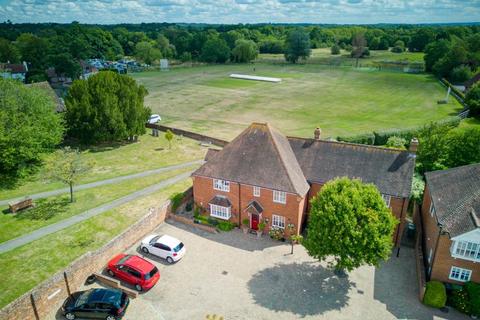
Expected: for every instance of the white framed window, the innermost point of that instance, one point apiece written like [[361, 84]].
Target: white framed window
[[467, 250], [430, 256], [459, 274], [278, 221], [432, 209], [222, 185], [387, 198], [279, 196], [256, 191], [220, 212]]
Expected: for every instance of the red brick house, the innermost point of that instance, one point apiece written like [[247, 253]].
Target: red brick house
[[264, 176], [451, 224]]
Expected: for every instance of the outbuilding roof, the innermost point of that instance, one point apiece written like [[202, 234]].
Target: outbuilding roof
[[455, 195]]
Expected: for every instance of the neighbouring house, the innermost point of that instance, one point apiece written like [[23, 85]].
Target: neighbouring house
[[451, 224], [45, 86], [264, 176], [88, 70], [17, 71], [58, 80]]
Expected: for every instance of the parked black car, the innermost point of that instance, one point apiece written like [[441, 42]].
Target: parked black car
[[109, 304]]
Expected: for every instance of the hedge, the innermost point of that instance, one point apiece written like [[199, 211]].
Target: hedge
[[473, 290], [366, 138], [435, 294], [381, 137]]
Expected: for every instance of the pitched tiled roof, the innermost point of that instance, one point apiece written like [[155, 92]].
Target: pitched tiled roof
[[45, 86], [389, 169], [210, 153], [456, 197], [13, 67], [259, 156], [220, 201]]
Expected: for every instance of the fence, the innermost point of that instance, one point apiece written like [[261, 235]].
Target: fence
[[419, 258], [457, 95], [41, 300], [189, 134]]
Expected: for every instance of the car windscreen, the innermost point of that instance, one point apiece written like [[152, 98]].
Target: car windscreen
[[179, 247], [154, 240], [151, 273], [124, 259], [82, 299]]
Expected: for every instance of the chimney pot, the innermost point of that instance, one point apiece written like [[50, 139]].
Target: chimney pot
[[317, 133], [413, 145]]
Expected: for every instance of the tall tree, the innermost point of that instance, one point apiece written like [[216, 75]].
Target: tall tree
[[472, 99], [67, 166], [147, 53], [245, 51], [29, 126], [297, 46], [66, 65], [350, 222], [215, 50], [108, 106], [359, 45], [8, 52]]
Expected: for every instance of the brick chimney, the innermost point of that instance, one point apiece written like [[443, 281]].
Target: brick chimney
[[413, 145], [317, 133]]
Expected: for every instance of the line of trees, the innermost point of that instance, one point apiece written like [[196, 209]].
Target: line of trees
[[63, 45]]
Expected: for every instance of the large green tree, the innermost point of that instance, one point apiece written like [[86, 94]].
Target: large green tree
[[215, 50], [472, 99], [297, 46], [146, 52], [108, 106], [350, 222], [8, 52], [244, 51], [29, 127]]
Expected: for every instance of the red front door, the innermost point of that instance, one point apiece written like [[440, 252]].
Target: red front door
[[254, 221]]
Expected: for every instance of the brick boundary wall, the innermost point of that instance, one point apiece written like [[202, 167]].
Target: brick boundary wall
[[41, 300], [189, 134], [419, 258], [190, 222]]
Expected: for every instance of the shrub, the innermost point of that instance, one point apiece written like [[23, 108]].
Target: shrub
[[473, 290], [185, 57], [396, 142], [246, 222], [366, 138], [460, 74], [397, 49], [176, 200], [276, 233], [435, 294], [381, 137], [459, 299], [473, 99], [212, 221], [418, 186], [225, 225], [335, 49]]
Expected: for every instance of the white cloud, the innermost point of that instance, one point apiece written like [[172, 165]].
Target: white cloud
[[241, 11]]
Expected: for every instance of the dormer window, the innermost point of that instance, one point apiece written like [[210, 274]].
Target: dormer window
[[387, 198], [221, 185]]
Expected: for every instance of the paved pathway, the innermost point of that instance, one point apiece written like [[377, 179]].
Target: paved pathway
[[104, 182], [39, 233]]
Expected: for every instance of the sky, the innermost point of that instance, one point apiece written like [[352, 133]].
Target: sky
[[241, 11]]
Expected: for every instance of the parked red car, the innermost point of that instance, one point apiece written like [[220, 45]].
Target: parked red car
[[134, 270]]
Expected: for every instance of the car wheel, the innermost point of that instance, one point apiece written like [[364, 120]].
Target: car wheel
[[70, 316], [145, 250], [138, 287], [170, 260], [110, 273], [110, 317]]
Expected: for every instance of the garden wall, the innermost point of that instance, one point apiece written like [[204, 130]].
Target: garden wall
[[41, 300], [189, 134], [419, 259]]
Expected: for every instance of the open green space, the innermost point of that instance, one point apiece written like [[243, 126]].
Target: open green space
[[117, 160], [50, 210], [324, 56], [27, 266], [341, 100]]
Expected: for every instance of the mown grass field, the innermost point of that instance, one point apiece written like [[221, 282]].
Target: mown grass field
[[27, 266], [116, 160], [341, 100]]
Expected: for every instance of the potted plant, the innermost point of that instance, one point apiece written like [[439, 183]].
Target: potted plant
[[246, 224], [261, 227]]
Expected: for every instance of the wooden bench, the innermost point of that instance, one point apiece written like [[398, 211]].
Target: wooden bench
[[20, 205], [115, 284]]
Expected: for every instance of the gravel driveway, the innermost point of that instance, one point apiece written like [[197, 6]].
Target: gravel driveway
[[240, 277]]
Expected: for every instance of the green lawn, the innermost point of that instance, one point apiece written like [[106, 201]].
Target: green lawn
[[118, 160], [54, 209], [341, 100], [31, 264]]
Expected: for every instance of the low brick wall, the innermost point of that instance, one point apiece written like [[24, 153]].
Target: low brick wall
[[190, 222], [41, 300], [419, 258], [189, 134]]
